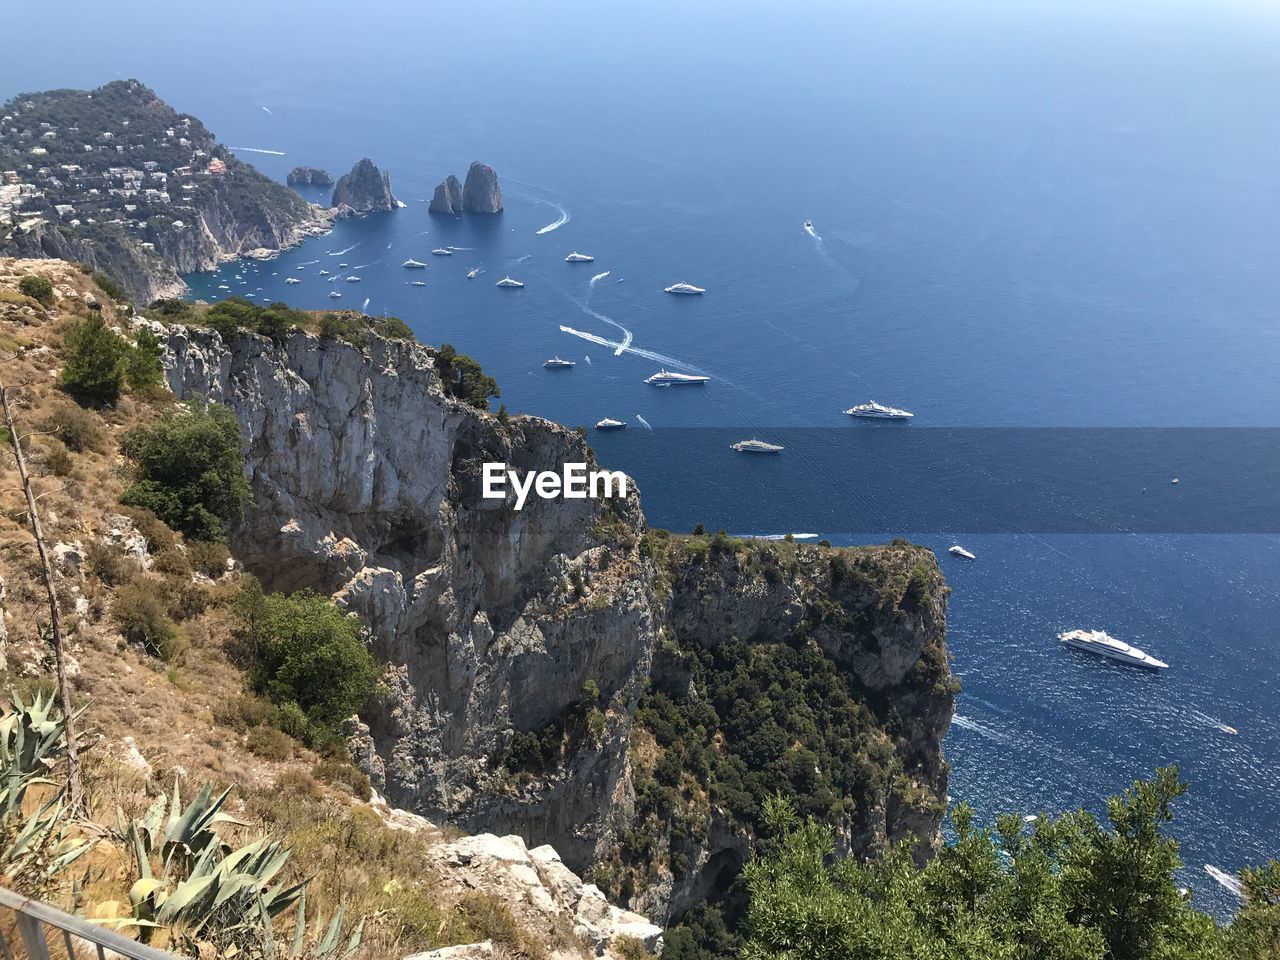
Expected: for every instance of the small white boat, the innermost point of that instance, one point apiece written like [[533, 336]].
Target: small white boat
[[608, 424], [292, 280], [1104, 645], [223, 286], [508, 282], [665, 378], [1174, 480], [344, 265], [878, 411], [471, 274], [418, 283], [324, 273], [442, 252], [960, 551], [353, 279], [334, 294], [577, 257], [808, 224], [555, 363], [755, 446], [685, 288], [412, 264]]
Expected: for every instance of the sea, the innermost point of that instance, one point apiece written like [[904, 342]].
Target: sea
[[1028, 217]]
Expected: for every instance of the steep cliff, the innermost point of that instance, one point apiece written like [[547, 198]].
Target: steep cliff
[[480, 192], [523, 644], [365, 189], [447, 199]]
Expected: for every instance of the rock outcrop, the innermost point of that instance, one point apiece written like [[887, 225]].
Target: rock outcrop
[[481, 193], [447, 199], [309, 177], [366, 485], [364, 190]]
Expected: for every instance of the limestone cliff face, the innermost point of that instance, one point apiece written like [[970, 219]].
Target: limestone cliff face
[[481, 193], [447, 200], [309, 177], [364, 190], [366, 485]]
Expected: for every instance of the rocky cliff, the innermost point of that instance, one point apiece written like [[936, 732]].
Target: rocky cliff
[[365, 189], [447, 199], [481, 193], [309, 177], [521, 644]]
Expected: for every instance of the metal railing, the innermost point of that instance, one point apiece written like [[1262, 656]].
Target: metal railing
[[36, 921]]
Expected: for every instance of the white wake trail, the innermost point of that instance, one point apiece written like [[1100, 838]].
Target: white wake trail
[[338, 253], [1225, 879], [598, 277], [643, 422], [361, 266], [274, 153], [365, 306], [637, 351], [626, 334], [267, 109], [808, 228], [564, 218]]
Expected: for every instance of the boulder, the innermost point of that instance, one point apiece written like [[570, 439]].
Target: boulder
[[481, 193]]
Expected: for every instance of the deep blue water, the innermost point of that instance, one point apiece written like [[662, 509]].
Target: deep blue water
[[1066, 216]]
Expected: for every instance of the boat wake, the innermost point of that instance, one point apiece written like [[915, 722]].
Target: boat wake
[[361, 266], [365, 306], [598, 277], [267, 109], [273, 153], [643, 422], [626, 334], [1213, 722], [637, 351], [452, 247], [523, 258], [338, 253], [781, 536], [564, 218], [808, 228], [307, 264], [1225, 879], [964, 723]]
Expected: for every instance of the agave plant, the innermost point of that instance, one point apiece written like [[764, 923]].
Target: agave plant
[[34, 847]]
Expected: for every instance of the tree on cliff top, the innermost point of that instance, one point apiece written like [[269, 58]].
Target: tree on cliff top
[[463, 377]]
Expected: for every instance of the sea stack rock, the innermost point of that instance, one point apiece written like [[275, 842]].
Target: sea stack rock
[[448, 197], [309, 177], [481, 194], [364, 190]]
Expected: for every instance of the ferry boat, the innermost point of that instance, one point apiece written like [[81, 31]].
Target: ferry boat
[[353, 279], [334, 294], [555, 363], [960, 551], [508, 282], [686, 288], [412, 264], [755, 446], [665, 378], [442, 252], [608, 424], [292, 280], [878, 411], [577, 257], [1104, 645]]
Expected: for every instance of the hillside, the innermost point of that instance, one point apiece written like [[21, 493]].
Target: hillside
[[117, 178], [625, 697]]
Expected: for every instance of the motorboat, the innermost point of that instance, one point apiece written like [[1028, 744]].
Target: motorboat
[[756, 446], [508, 282], [334, 294], [418, 283], [442, 252], [412, 264], [878, 411], [471, 274], [292, 280], [608, 424], [686, 288], [555, 363], [353, 279], [665, 378], [1104, 645], [960, 551], [577, 257]]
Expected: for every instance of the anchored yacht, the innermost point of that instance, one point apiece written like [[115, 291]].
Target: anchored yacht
[[1104, 645], [960, 551], [755, 446], [292, 280], [334, 294], [508, 282], [685, 288], [577, 257], [607, 424], [353, 279], [665, 378], [412, 264], [344, 265], [324, 273], [442, 252], [878, 411], [555, 363]]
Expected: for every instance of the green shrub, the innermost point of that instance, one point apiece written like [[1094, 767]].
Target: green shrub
[[189, 470], [56, 456], [38, 289], [94, 360], [463, 378], [107, 562], [269, 743], [109, 287], [344, 775], [172, 308], [304, 650], [80, 429], [143, 370], [144, 621], [157, 533], [208, 557]]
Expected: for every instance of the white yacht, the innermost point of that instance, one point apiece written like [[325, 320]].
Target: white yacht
[[418, 283], [508, 282], [344, 265], [223, 286], [471, 274], [412, 264], [577, 257], [685, 288], [442, 252], [665, 378], [1104, 645], [324, 273], [334, 294], [755, 446], [878, 411], [608, 424], [353, 279], [960, 551], [292, 280], [555, 363]]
